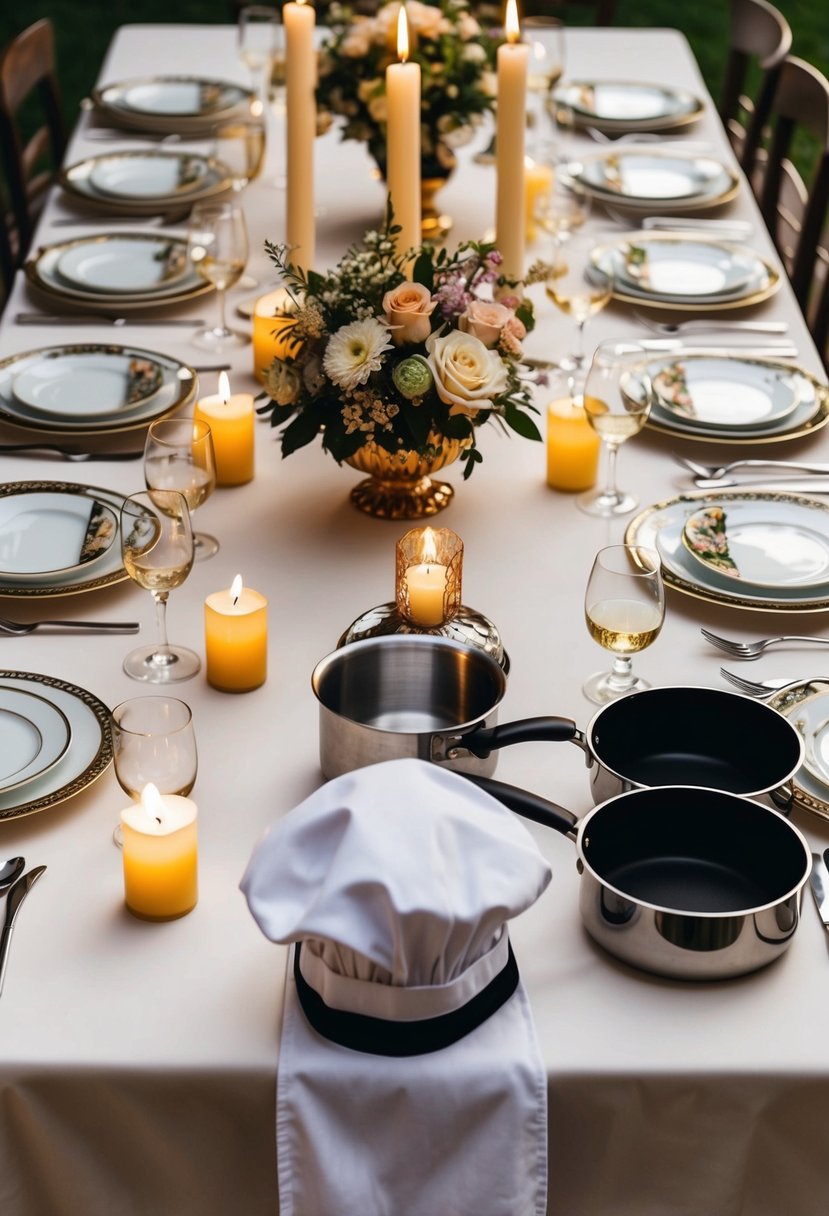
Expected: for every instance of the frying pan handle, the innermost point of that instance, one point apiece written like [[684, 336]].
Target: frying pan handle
[[530, 806], [783, 798], [482, 741]]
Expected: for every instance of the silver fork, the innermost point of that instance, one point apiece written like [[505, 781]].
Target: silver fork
[[753, 650], [9, 449], [713, 472], [755, 688], [20, 628], [695, 327]]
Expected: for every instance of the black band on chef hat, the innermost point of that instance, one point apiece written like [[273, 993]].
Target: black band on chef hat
[[384, 1037]]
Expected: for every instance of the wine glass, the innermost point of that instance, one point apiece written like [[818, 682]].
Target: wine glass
[[564, 207], [157, 548], [616, 408], [179, 455], [217, 242], [572, 288], [240, 147], [545, 37], [258, 32], [624, 606], [153, 741]]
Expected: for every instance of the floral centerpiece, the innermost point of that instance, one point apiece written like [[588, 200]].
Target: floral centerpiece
[[456, 61], [404, 371]]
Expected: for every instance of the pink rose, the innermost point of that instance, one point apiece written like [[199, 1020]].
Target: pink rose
[[486, 320], [408, 309]]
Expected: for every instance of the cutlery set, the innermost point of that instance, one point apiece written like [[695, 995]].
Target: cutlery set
[[86, 318], [17, 886]]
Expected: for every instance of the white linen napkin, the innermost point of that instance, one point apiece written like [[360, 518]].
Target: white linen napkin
[[396, 882]]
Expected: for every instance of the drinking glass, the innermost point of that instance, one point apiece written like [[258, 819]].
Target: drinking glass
[[153, 741], [624, 606], [240, 147], [217, 242], [258, 34], [564, 208], [157, 547], [179, 455], [572, 289], [545, 37], [615, 415]]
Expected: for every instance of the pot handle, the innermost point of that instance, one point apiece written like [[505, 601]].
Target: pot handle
[[530, 806], [483, 740], [783, 798]]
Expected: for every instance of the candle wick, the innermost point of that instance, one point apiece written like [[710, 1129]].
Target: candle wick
[[235, 600], [157, 819]]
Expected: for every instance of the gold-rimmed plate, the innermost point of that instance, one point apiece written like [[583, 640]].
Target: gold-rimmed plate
[[639, 178], [806, 705], [93, 388], [171, 104], [627, 105], [145, 181], [88, 757], [661, 527], [41, 501]]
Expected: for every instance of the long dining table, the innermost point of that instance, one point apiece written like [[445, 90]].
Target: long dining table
[[138, 1060]]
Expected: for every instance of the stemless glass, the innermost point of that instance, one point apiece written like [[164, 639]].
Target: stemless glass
[[217, 242], [571, 289], [179, 455], [157, 547], [615, 415], [153, 741], [624, 607]]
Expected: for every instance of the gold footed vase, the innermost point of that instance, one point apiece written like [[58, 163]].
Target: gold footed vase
[[400, 485]]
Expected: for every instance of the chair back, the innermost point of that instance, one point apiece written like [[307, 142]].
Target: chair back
[[27, 70], [760, 39]]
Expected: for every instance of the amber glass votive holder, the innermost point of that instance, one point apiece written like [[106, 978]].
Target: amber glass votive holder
[[428, 569]]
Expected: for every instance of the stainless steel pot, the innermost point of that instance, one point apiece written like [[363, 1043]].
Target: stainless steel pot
[[415, 695], [685, 882]]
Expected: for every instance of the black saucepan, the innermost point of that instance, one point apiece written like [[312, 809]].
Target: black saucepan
[[685, 882]]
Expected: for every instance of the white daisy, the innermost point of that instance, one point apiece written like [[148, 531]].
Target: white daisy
[[355, 351]]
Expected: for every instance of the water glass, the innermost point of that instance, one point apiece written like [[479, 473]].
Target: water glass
[[624, 607]]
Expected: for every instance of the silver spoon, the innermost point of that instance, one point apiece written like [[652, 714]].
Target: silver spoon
[[717, 326], [21, 628], [10, 870]]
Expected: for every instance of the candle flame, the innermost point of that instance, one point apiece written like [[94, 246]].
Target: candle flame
[[224, 387], [402, 34], [429, 550], [153, 803], [511, 24], [236, 589]]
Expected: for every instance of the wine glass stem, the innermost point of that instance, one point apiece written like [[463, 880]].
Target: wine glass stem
[[579, 355], [621, 675], [220, 294], [162, 653], [610, 489]]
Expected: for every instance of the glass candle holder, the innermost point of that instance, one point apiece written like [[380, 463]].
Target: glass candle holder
[[428, 568]]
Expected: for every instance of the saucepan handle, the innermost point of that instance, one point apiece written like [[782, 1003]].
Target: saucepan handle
[[485, 739], [530, 806]]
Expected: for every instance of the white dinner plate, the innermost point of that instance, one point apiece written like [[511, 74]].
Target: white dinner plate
[[624, 105], [53, 519], [172, 104], [806, 705], [145, 181], [89, 753], [767, 545], [661, 526], [725, 393], [34, 734], [640, 178]]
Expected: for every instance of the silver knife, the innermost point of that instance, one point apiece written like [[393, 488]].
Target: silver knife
[[81, 318], [17, 893], [816, 484], [819, 878]]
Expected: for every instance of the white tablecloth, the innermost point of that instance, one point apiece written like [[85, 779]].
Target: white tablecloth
[[137, 1061]]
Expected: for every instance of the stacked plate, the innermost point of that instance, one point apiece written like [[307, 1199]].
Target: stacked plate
[[641, 178], [172, 105], [687, 271], [778, 545], [722, 398], [118, 271], [54, 742], [143, 183], [806, 705], [616, 106], [58, 538], [92, 389]]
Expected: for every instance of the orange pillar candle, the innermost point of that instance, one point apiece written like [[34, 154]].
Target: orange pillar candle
[[572, 446], [236, 638], [403, 140], [271, 337], [513, 59], [538, 180], [230, 417], [300, 82], [160, 855]]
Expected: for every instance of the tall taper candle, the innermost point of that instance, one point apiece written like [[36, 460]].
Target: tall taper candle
[[403, 139], [300, 80], [513, 59]]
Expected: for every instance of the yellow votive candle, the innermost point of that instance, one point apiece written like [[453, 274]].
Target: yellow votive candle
[[271, 336], [236, 638], [160, 855], [301, 108], [403, 140], [538, 180], [572, 446], [513, 58], [230, 417], [426, 589]]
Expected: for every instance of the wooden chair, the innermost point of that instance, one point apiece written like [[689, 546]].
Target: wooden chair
[[796, 213], [760, 40], [27, 74]]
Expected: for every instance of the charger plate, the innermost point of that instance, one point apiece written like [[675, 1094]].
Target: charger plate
[[89, 755], [661, 526], [642, 178], [145, 182], [626, 105], [806, 705], [171, 104]]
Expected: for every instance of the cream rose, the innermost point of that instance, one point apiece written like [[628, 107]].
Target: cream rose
[[467, 375], [485, 319], [408, 309]]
